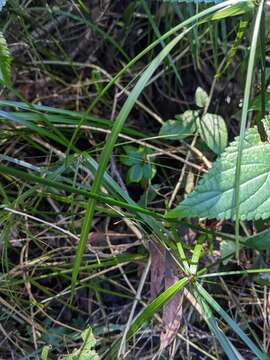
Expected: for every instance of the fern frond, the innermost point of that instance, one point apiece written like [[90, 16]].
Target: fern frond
[[5, 60]]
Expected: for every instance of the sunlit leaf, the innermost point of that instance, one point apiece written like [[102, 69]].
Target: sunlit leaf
[[182, 126], [213, 131], [201, 97], [214, 196]]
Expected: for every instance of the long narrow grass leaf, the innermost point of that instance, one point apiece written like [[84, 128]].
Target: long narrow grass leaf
[[234, 326], [244, 118]]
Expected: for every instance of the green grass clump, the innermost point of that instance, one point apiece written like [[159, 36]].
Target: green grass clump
[[132, 225]]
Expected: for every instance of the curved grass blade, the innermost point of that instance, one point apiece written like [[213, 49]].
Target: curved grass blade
[[244, 118], [225, 343], [119, 122], [43, 131], [158, 35], [236, 272], [217, 12], [234, 326], [149, 312], [57, 185], [121, 118]]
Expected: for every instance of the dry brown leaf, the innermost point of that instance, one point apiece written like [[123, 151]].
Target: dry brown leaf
[[157, 253], [172, 311]]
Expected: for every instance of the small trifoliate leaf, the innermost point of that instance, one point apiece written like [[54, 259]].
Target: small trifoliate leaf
[[214, 196], [131, 159], [149, 171], [213, 131], [135, 174], [132, 156], [201, 97], [5, 61], [184, 125]]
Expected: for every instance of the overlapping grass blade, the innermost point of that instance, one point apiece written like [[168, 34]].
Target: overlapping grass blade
[[233, 325], [74, 190], [119, 122], [121, 118], [225, 343], [244, 118], [149, 312]]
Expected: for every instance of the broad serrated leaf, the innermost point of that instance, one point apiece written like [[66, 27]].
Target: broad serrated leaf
[[5, 61], [213, 131], [214, 196], [201, 97], [183, 126]]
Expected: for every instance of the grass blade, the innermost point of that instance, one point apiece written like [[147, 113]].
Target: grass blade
[[121, 118], [244, 118], [106, 153], [234, 326]]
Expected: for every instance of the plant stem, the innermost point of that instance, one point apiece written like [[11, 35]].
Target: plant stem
[[244, 118]]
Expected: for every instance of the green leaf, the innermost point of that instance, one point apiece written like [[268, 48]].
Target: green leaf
[[133, 156], [88, 338], [149, 171], [242, 7], [214, 197], [259, 241], [232, 324], [201, 97], [267, 75], [85, 352], [230, 9], [135, 174], [45, 352], [262, 279], [5, 60], [136, 158], [148, 312], [213, 131], [227, 251], [212, 323], [149, 195], [183, 126], [256, 103]]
